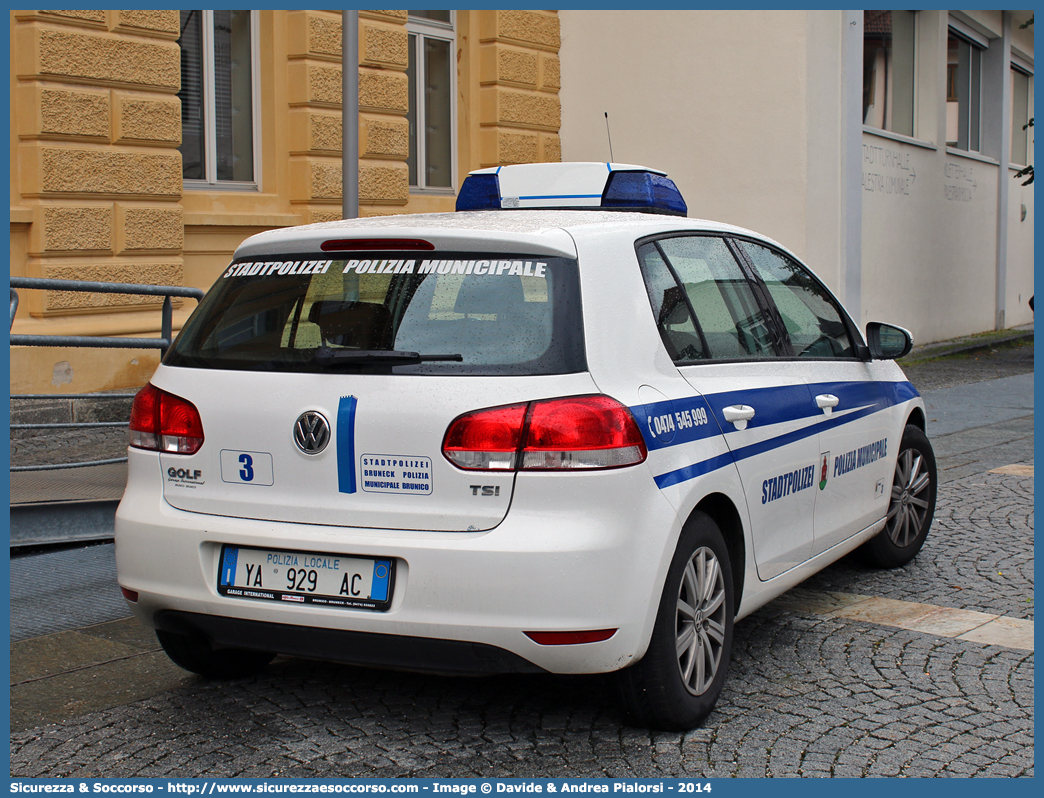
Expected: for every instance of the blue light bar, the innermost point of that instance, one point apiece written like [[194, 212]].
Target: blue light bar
[[573, 186], [643, 191], [479, 193]]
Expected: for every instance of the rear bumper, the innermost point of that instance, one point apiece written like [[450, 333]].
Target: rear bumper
[[591, 554], [448, 657]]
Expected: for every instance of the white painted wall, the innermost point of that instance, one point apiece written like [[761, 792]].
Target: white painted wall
[[1020, 252], [716, 99], [929, 239], [744, 111], [1020, 230]]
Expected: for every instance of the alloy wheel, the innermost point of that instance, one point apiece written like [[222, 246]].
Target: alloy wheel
[[911, 493], [700, 624]]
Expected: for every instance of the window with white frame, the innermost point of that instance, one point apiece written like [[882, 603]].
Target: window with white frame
[[218, 98], [1021, 109], [964, 90], [432, 78], [888, 70]]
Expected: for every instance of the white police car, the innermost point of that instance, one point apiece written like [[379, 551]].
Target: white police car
[[547, 433]]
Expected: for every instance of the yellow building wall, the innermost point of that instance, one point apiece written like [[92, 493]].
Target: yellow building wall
[[95, 183], [97, 192]]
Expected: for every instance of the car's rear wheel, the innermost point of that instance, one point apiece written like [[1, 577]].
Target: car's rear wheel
[[195, 654], [677, 682], [911, 507]]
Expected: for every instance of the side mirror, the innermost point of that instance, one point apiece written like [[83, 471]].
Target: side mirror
[[887, 342]]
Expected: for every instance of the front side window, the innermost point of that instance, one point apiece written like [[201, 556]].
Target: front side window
[[704, 305], [888, 70], [452, 314], [963, 93], [431, 73], [218, 98], [810, 315]]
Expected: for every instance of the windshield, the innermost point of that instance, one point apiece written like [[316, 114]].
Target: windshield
[[460, 313]]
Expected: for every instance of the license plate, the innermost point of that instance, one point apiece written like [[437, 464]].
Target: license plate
[[298, 577]]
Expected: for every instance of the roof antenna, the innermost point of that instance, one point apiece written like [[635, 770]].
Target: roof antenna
[[610, 135]]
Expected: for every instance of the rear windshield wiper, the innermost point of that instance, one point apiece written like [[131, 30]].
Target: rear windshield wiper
[[327, 356]]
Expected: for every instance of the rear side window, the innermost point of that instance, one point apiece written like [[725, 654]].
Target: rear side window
[[704, 304], [684, 341], [463, 314]]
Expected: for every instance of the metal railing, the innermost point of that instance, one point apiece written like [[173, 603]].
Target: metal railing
[[168, 292]]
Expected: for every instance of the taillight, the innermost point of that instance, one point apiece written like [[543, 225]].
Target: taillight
[[581, 432], [163, 422], [576, 432], [486, 440]]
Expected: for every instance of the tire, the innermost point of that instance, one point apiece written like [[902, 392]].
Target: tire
[[676, 684], [911, 507], [195, 654]]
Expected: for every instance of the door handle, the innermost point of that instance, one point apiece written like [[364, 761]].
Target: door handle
[[738, 415], [827, 402]]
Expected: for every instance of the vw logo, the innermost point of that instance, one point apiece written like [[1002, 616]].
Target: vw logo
[[311, 432]]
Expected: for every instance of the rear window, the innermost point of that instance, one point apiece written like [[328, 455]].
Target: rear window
[[461, 313]]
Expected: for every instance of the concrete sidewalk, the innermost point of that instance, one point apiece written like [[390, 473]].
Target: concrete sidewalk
[[965, 407]]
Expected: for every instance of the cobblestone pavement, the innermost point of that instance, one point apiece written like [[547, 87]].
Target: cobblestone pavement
[[979, 555], [808, 693]]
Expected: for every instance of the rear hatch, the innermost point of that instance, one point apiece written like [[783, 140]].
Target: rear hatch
[[325, 385]]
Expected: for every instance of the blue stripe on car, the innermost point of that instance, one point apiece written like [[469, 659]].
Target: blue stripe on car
[[346, 444], [865, 398]]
